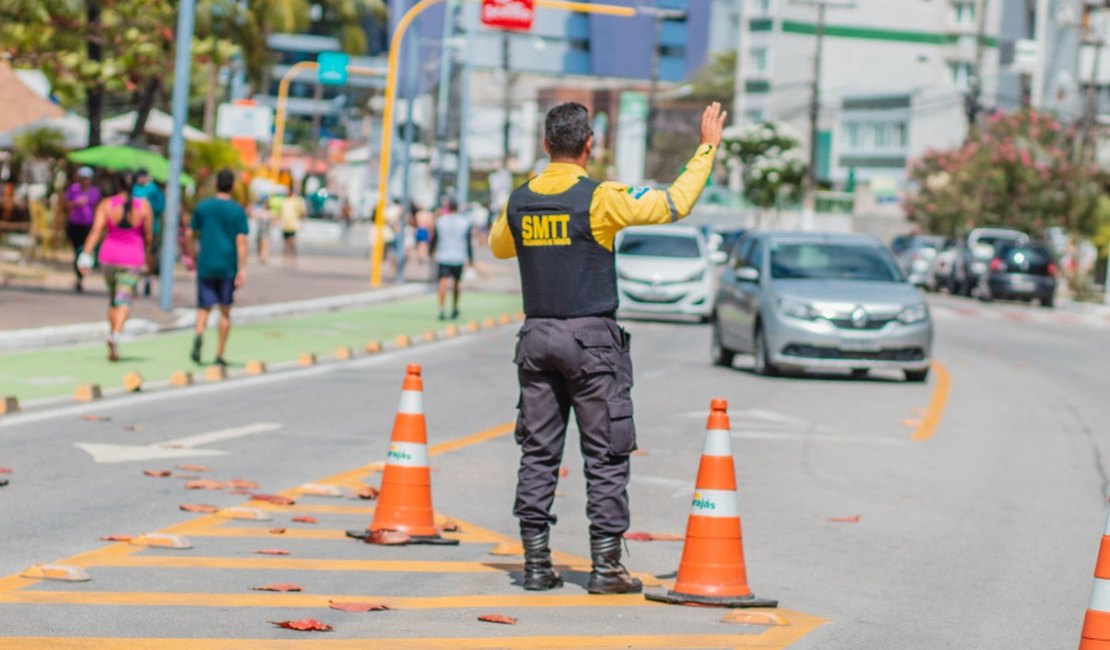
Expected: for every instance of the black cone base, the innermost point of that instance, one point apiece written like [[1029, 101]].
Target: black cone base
[[675, 598]]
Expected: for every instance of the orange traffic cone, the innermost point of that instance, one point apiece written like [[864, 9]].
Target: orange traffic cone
[[712, 570], [405, 500], [1096, 627]]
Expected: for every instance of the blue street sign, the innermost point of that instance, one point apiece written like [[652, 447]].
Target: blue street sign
[[333, 68]]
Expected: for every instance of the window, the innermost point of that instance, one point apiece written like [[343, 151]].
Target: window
[[962, 12], [659, 246], [757, 61], [874, 136], [832, 261], [960, 73]]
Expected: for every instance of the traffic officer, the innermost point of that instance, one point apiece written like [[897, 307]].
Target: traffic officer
[[570, 351]]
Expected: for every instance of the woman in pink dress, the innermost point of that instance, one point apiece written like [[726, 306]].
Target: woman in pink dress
[[126, 225]]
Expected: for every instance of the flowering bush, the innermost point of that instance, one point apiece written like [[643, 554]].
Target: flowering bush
[[1017, 171], [773, 166]]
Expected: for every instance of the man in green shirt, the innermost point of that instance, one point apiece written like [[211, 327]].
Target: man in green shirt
[[219, 227]]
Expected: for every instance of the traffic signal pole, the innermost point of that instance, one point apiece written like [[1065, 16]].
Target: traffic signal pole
[[391, 96]]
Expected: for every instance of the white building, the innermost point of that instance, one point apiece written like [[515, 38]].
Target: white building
[[894, 79]]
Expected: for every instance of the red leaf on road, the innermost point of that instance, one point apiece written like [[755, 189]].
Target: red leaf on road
[[240, 484], [281, 586], [498, 618], [186, 477], [367, 492], [239, 491], [198, 507], [305, 519], [192, 468], [854, 519], [653, 537], [272, 551], [204, 484], [275, 499], [304, 625], [388, 537], [95, 418], [564, 472], [277, 531], [157, 473], [5, 470], [116, 538], [359, 607]]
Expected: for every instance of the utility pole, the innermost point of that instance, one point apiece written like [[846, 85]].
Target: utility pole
[[975, 93], [658, 15], [446, 64], [815, 100], [506, 101]]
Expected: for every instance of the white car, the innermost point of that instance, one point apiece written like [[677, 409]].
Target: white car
[[665, 270]]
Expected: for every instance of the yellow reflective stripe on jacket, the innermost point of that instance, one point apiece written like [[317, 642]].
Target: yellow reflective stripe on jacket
[[616, 206]]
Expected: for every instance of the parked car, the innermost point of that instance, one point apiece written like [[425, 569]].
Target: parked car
[[1022, 272], [815, 301], [720, 238], [976, 254], [916, 259], [941, 270], [665, 270]]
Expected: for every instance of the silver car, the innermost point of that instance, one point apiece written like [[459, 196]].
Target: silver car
[[819, 301]]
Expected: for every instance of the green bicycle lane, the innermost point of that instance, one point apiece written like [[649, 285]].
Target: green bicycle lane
[[58, 372]]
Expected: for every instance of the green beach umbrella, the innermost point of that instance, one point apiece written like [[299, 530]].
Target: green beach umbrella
[[116, 158]]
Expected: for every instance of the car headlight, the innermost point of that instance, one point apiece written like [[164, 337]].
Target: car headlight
[[797, 309], [913, 314]]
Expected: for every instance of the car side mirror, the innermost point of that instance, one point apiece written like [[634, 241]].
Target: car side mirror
[[718, 257], [747, 274]]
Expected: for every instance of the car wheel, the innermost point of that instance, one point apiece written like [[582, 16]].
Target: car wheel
[[762, 365], [917, 376], [859, 373], [718, 353], [1047, 302]]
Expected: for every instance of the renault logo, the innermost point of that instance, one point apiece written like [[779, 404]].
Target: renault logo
[[859, 318]]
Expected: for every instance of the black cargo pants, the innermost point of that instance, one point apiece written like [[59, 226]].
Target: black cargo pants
[[582, 363]]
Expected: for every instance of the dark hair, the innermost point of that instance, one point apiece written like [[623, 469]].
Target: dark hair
[[124, 181], [451, 202], [566, 129], [225, 180]]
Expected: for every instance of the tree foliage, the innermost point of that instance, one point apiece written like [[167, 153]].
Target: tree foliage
[[772, 163], [1020, 171]]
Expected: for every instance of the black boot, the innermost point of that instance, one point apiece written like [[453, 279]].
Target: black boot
[[539, 575], [609, 575]]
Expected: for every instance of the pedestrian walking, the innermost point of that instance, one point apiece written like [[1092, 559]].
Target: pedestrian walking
[[125, 224], [146, 188], [220, 230], [81, 198], [571, 352], [451, 248], [293, 211]]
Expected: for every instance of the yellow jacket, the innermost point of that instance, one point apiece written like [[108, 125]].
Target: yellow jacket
[[616, 206]]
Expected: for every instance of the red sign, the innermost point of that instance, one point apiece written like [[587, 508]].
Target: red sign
[[508, 14]]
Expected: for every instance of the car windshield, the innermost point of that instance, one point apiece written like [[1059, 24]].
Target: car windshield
[[825, 261], [659, 246], [1031, 258], [995, 240]]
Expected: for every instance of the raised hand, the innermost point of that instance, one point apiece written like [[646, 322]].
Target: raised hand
[[713, 124]]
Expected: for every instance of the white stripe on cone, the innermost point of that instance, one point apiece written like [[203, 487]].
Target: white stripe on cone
[[717, 443], [1107, 530], [1100, 596], [407, 454], [412, 402], [715, 503]]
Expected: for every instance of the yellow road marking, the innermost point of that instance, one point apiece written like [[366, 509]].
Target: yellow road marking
[[775, 637], [466, 537], [306, 564], [935, 410], [473, 439], [178, 599], [303, 508]]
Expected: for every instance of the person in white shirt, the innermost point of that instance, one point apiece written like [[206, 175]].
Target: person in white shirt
[[451, 248]]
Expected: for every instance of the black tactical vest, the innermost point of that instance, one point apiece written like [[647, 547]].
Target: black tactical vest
[[565, 273]]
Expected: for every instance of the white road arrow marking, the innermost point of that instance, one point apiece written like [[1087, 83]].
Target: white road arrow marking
[[176, 448]]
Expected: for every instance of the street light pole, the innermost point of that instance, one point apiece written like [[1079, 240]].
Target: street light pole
[[658, 15], [185, 15]]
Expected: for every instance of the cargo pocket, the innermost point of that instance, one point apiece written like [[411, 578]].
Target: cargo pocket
[[599, 354], [518, 434], [622, 430]]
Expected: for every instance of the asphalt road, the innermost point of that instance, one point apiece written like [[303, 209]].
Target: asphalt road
[[880, 514]]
